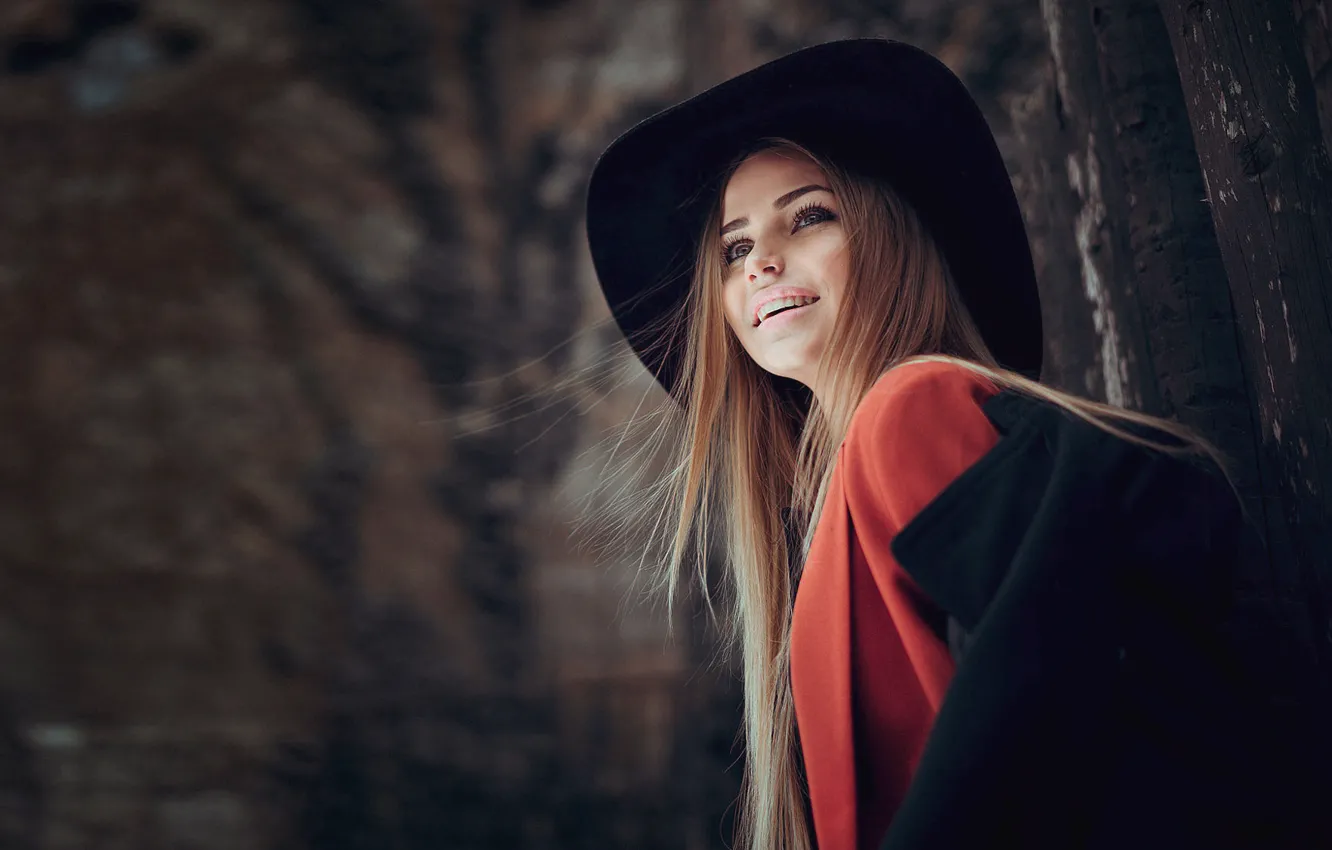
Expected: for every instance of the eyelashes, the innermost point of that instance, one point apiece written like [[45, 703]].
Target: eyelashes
[[808, 215]]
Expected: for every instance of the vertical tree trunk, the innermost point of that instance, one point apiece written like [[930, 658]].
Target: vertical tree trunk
[[1128, 213], [1102, 193], [1173, 261], [1251, 103], [1135, 294], [1094, 342], [1175, 282], [1049, 205], [1311, 19]]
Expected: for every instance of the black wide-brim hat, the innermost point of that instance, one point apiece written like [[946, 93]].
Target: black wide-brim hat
[[879, 107]]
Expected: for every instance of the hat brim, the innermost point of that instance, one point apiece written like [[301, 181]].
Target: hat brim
[[883, 106]]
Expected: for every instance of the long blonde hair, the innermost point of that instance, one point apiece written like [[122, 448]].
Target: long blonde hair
[[744, 450]]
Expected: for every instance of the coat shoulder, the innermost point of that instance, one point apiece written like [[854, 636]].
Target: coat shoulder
[[923, 392], [919, 428]]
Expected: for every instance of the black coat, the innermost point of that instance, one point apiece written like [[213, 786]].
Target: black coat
[[1100, 700]]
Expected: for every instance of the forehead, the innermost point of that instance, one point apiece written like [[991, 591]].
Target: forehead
[[764, 177]]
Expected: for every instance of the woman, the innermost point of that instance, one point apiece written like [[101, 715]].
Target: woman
[[1006, 625]]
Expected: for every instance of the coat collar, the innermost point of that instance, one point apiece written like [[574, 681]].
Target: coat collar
[[1050, 487], [1005, 410], [1074, 557], [824, 701], [1051, 468]]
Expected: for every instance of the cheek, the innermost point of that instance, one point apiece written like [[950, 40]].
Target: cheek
[[733, 301], [837, 265]]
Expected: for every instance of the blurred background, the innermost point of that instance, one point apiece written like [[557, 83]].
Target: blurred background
[[306, 380]]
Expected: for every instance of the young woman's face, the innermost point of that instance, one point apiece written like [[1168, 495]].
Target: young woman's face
[[785, 262]]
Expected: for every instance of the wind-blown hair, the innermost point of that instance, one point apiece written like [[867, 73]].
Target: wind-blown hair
[[744, 451]]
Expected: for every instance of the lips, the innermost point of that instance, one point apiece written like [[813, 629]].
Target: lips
[[769, 302]]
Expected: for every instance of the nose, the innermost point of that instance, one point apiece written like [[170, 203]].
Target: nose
[[768, 264]]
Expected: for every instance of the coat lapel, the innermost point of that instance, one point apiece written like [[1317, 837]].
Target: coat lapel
[[821, 649], [821, 661], [1086, 707]]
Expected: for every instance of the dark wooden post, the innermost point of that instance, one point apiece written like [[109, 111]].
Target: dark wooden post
[[1071, 186], [1048, 205], [1173, 265], [1177, 285], [1142, 307], [1115, 201], [1311, 19], [1251, 104], [1114, 194]]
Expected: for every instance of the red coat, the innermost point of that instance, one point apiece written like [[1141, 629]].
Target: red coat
[[1107, 695], [868, 669]]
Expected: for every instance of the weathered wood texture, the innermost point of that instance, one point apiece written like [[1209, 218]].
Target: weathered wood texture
[[1072, 359], [1151, 326], [1136, 294], [1091, 226], [1311, 19], [1177, 285], [1252, 106], [1174, 275]]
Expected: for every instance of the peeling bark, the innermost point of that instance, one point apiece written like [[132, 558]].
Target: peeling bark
[[1173, 260], [1311, 19], [1115, 350], [1049, 206], [1253, 110], [1133, 278]]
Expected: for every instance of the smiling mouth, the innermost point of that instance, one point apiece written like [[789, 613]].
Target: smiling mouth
[[785, 305]]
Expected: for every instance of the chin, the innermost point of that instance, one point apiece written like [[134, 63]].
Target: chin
[[800, 372], [795, 368]]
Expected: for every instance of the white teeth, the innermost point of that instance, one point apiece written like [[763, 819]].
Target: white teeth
[[781, 303]]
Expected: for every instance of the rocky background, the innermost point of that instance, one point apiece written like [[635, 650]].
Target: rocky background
[[306, 379]]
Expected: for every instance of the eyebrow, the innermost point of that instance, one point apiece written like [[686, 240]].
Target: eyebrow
[[783, 201]]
